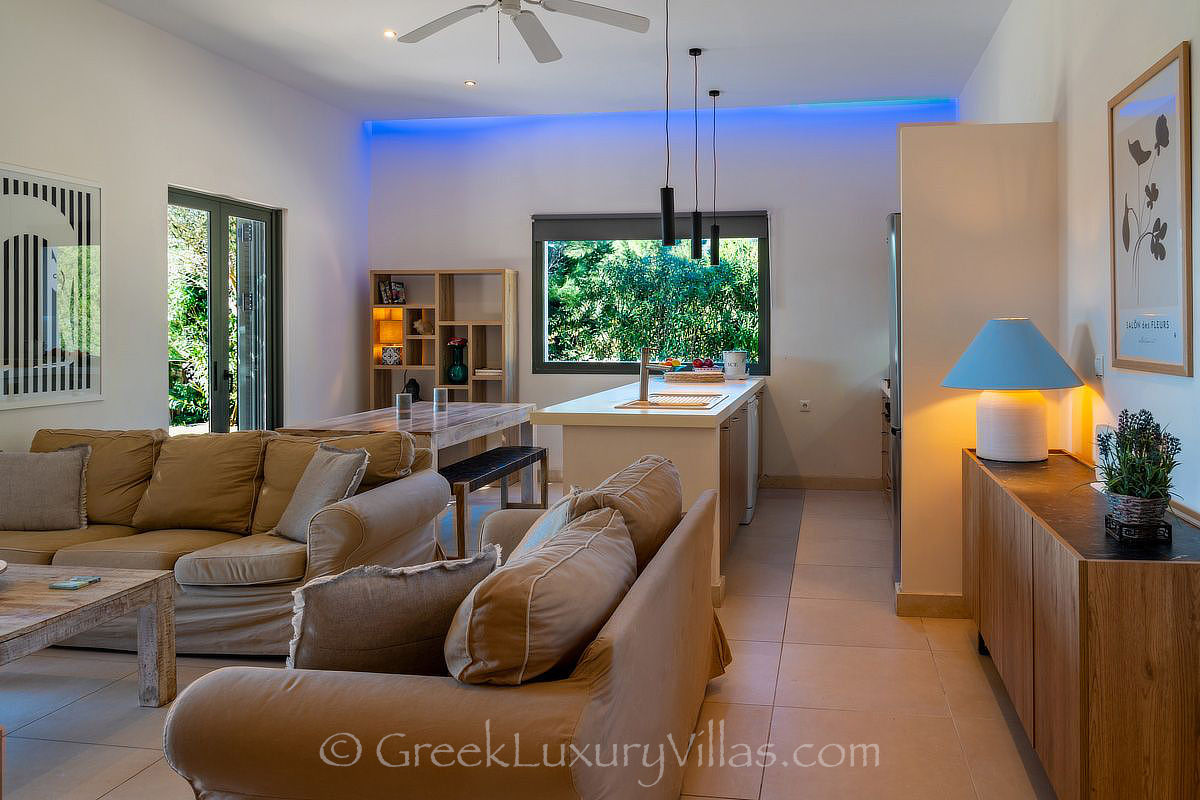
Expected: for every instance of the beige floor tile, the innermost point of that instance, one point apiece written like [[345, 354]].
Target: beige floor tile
[[877, 530], [750, 679], [1001, 760], [973, 687], [40, 770], [772, 523], [951, 634], [734, 732], [851, 622], [763, 578], [86, 652], [860, 505], [753, 618], [860, 678], [110, 716], [844, 552], [37, 685], [843, 583], [919, 757], [156, 782], [773, 549]]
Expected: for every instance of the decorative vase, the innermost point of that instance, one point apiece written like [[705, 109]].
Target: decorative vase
[[1137, 511], [456, 373]]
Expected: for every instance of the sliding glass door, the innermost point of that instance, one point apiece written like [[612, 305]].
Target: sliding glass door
[[222, 314]]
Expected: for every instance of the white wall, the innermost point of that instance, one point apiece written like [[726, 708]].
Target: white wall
[[1063, 60], [979, 240], [95, 94], [459, 193]]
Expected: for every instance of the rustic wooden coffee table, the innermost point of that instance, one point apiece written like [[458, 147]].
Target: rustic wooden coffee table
[[34, 616]]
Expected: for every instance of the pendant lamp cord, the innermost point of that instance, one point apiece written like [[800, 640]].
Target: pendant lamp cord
[[714, 154], [696, 126], [667, 86]]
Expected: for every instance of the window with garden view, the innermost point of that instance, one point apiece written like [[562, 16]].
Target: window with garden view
[[602, 299]]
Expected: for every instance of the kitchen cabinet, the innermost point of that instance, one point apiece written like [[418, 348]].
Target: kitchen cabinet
[[1097, 642], [734, 475]]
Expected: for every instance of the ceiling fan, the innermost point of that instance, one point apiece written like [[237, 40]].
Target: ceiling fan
[[530, 27]]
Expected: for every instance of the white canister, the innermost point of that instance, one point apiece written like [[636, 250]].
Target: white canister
[[737, 364]]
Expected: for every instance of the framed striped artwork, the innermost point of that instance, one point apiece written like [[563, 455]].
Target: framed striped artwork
[[49, 289]]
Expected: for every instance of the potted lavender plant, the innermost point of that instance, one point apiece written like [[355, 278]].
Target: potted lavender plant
[[1136, 462]]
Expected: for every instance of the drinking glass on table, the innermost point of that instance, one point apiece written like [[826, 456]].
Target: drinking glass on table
[[404, 406]]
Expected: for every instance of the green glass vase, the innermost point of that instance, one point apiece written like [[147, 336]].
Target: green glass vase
[[456, 373]]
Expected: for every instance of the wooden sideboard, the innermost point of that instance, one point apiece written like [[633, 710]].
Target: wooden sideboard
[[1097, 642]]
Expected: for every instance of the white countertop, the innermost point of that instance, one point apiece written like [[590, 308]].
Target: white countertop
[[600, 409]]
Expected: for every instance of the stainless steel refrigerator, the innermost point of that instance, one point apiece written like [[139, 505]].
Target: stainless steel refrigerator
[[894, 407]]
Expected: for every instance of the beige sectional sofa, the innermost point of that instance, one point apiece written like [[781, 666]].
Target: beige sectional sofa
[[250, 732], [204, 507]]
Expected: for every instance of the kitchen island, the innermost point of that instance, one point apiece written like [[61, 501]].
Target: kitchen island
[[712, 447]]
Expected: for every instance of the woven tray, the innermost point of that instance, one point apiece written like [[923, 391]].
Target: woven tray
[[696, 376]]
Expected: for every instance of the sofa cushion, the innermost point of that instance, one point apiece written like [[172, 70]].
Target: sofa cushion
[[39, 547], [206, 481], [151, 550], [118, 471], [400, 616], [650, 498], [331, 476], [256, 560], [44, 491], [538, 613], [390, 458]]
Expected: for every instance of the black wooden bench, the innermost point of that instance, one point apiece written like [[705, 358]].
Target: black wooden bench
[[478, 471]]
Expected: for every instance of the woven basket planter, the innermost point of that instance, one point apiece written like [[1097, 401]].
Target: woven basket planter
[[1139, 511]]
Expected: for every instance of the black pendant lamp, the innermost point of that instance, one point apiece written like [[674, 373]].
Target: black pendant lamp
[[697, 219], [667, 194], [714, 232]]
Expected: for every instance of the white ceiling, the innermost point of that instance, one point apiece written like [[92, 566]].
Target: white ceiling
[[758, 52]]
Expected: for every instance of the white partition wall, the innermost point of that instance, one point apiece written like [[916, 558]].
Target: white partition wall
[[979, 210]]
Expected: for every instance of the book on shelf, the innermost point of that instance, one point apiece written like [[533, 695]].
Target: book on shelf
[[391, 292]]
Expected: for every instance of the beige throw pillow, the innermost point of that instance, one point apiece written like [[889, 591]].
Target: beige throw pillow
[[331, 475], [400, 616], [650, 498], [538, 613], [44, 491], [547, 525]]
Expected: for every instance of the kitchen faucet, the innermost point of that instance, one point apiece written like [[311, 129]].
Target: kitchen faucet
[[644, 375]]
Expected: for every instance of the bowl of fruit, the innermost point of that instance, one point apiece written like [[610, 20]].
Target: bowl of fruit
[[698, 370]]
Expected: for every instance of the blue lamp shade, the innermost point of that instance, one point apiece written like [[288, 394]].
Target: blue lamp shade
[[1010, 354]]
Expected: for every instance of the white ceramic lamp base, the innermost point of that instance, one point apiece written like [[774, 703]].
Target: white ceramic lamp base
[[1011, 426]]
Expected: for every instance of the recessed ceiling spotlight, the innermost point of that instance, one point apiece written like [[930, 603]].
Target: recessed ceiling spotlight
[[389, 34], [469, 83]]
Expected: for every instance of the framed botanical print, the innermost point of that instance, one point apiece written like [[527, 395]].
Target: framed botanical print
[[1150, 188], [1150, 192], [49, 289]]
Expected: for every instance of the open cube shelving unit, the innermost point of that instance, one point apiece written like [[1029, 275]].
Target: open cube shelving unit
[[479, 305]]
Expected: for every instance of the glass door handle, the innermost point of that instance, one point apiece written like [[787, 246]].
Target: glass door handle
[[228, 376]]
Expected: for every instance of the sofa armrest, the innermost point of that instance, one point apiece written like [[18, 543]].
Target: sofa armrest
[[507, 527], [255, 732], [393, 517]]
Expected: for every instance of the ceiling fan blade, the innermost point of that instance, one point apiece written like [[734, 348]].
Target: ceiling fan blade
[[535, 35], [609, 16], [440, 23]]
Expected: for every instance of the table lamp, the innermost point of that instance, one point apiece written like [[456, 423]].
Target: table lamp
[[1011, 361]]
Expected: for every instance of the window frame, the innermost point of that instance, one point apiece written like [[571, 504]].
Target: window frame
[[683, 224]]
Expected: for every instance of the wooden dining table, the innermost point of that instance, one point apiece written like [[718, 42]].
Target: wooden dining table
[[459, 423]]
